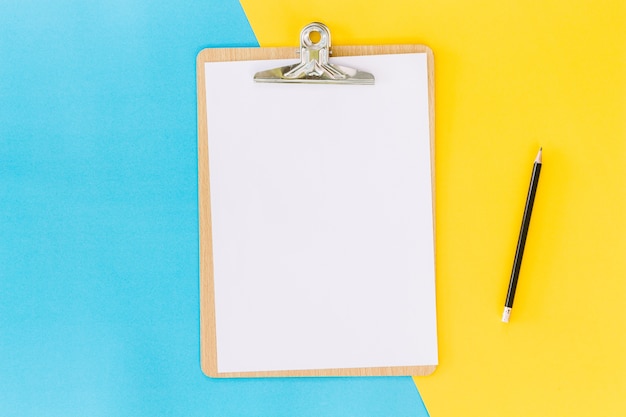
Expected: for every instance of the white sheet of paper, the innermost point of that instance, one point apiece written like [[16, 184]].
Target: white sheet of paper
[[321, 209]]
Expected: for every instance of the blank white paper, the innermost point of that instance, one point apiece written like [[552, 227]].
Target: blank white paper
[[321, 210]]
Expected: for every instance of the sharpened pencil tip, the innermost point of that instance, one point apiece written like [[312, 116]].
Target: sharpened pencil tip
[[538, 158]]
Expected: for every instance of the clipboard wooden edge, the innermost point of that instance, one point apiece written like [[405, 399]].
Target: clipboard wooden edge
[[208, 337]]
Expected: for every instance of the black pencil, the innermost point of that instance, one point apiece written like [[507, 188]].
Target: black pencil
[[521, 242]]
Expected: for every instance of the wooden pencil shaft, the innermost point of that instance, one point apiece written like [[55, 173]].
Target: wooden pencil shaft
[[521, 243]]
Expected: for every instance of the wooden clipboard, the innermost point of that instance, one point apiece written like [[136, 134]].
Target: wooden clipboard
[[208, 328]]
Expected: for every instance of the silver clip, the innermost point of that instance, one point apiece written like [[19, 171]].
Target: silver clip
[[314, 66]]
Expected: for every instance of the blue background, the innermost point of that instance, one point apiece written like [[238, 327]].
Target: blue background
[[99, 309]]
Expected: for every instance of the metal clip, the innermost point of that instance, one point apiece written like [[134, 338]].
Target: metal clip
[[314, 66]]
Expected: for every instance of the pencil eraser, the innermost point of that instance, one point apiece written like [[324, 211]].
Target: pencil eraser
[[506, 314]]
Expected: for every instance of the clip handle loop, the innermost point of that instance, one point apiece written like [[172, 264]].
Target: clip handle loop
[[314, 56]]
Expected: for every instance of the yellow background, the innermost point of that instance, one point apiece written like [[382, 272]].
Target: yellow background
[[511, 76]]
